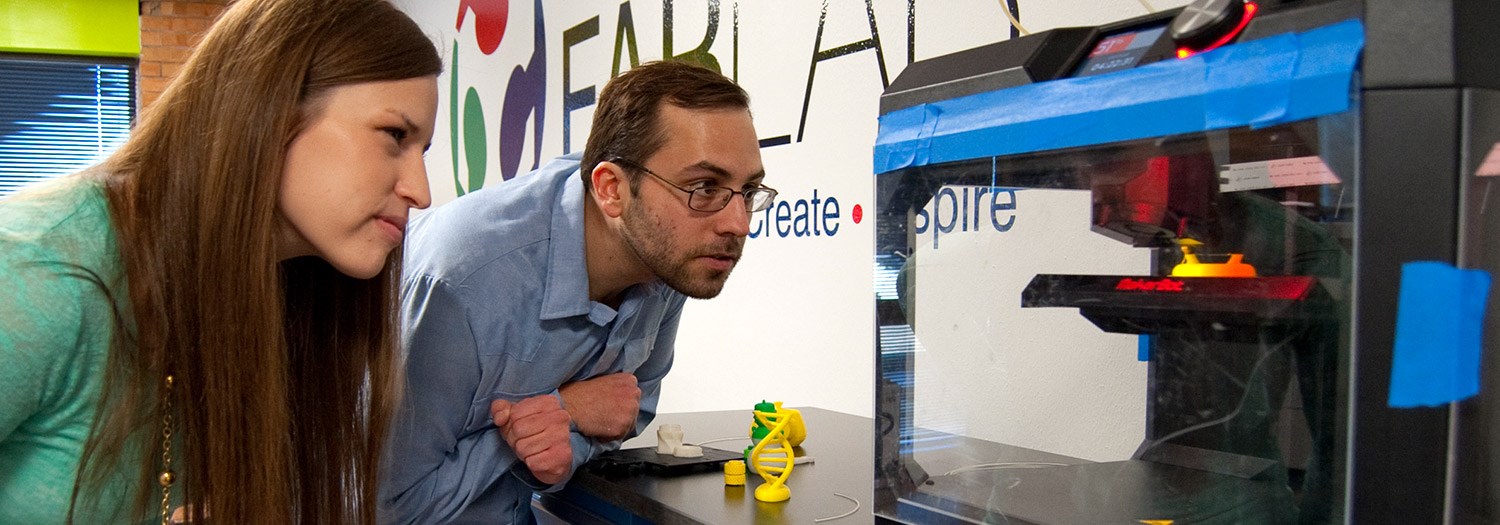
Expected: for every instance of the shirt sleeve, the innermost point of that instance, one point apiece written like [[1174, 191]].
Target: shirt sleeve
[[648, 377], [438, 462], [40, 329]]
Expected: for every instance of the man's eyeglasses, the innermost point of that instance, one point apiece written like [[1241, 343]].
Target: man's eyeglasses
[[712, 198]]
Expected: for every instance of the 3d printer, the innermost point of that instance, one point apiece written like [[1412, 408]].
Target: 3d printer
[[1147, 271]]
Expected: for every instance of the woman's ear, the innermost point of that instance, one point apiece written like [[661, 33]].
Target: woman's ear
[[611, 188]]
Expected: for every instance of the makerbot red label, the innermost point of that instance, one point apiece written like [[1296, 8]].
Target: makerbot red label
[[1149, 285]]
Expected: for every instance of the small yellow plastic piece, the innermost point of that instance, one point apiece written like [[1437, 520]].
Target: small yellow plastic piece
[[1192, 267], [796, 430], [734, 473]]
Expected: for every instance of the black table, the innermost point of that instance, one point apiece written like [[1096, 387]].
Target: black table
[[841, 445]]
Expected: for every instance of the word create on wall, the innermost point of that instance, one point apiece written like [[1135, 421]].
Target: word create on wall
[[797, 218]]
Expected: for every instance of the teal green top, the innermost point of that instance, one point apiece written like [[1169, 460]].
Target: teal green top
[[57, 248]]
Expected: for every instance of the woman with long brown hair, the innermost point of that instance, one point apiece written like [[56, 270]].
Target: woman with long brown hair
[[204, 324]]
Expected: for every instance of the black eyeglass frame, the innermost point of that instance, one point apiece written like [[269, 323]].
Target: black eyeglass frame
[[706, 192]]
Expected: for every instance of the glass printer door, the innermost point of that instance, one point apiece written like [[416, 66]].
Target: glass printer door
[[1148, 330]]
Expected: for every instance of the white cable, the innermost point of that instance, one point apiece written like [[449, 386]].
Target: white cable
[[716, 440], [1012, 17], [1147, 5], [852, 511]]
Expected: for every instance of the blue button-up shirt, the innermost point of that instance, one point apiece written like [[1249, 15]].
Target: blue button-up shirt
[[496, 306]]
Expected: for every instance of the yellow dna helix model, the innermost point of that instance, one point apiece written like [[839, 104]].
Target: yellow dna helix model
[[775, 431]]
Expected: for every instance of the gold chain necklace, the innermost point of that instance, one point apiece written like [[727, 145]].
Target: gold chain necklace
[[167, 476]]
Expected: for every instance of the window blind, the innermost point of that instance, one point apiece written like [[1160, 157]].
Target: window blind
[[59, 115]]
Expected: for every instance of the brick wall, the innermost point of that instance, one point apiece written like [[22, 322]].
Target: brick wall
[[169, 29]]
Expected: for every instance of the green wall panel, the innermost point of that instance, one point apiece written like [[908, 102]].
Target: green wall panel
[[71, 27]]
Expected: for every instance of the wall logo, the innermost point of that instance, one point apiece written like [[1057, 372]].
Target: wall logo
[[525, 97]]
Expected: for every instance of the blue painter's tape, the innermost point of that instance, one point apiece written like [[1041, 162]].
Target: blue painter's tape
[[1249, 84], [1263, 82], [1438, 325]]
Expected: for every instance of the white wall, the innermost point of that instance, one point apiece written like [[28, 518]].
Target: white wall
[[795, 322]]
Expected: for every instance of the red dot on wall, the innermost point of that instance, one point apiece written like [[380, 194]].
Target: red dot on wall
[[859, 214]]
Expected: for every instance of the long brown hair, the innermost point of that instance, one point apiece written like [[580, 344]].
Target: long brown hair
[[285, 371]]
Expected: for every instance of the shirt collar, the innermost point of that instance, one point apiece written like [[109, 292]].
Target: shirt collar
[[566, 293]]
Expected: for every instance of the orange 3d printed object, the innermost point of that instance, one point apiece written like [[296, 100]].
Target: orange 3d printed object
[[1192, 267]]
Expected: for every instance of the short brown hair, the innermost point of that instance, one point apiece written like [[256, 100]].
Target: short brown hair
[[627, 121]]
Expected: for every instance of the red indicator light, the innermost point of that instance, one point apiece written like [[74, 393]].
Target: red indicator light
[[1250, 9]]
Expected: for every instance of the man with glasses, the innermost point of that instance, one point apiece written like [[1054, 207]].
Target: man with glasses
[[540, 313]]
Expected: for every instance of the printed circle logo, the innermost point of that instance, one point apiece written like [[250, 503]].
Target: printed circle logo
[[489, 21]]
